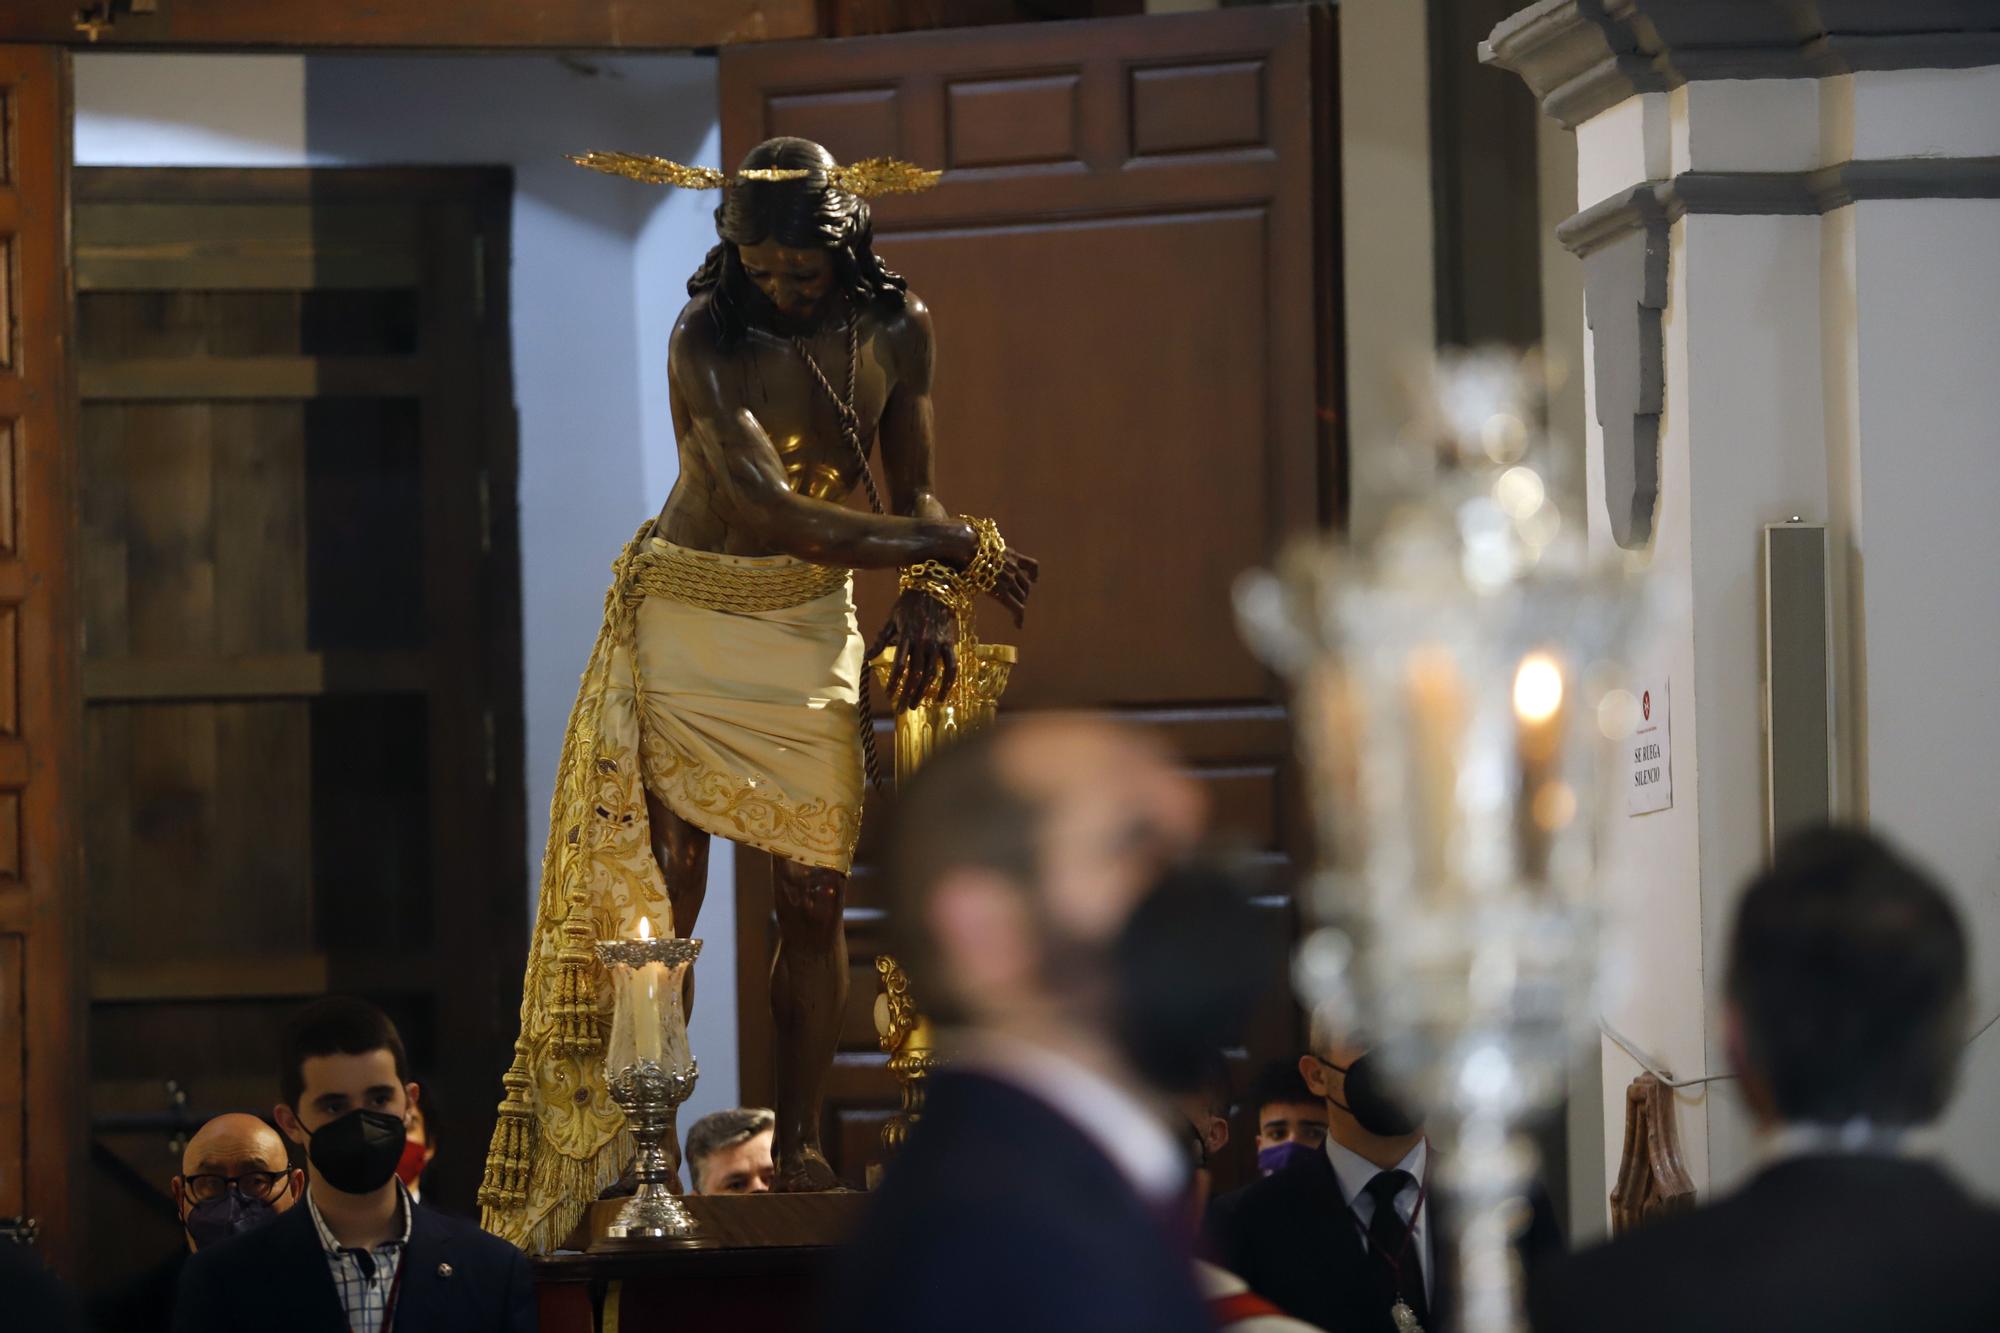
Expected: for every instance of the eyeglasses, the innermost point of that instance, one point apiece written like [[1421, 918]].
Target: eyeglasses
[[254, 1185]]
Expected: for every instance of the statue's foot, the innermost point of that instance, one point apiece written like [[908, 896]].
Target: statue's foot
[[804, 1171]]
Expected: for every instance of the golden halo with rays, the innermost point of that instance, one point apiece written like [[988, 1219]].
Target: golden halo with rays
[[868, 178]]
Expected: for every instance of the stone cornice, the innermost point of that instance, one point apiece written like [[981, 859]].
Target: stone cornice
[[1581, 57], [1778, 193]]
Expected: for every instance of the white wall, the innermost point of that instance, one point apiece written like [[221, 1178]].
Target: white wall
[[1387, 238], [1841, 369], [598, 268], [1927, 547]]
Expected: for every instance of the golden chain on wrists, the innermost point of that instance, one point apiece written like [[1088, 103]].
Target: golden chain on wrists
[[941, 582], [989, 560], [957, 590]]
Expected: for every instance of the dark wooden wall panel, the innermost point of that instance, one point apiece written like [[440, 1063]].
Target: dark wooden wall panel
[[1130, 268]]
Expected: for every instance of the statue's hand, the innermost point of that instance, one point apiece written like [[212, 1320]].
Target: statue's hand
[[1016, 581], [926, 637]]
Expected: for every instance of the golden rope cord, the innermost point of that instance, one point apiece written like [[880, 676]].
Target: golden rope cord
[[718, 586]]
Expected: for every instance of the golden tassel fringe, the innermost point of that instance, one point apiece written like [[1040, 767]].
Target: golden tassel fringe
[[572, 1183]]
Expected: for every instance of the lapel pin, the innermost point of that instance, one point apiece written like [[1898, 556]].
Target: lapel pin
[[444, 1270]]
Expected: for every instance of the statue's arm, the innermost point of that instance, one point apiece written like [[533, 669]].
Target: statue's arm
[[906, 431], [907, 444], [751, 490]]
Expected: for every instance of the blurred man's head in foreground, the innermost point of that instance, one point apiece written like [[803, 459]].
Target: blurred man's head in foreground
[[1020, 855], [1846, 990]]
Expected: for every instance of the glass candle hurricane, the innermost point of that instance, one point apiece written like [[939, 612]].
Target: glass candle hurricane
[[650, 1072]]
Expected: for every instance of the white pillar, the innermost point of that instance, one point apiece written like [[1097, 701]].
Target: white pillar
[[1828, 347]]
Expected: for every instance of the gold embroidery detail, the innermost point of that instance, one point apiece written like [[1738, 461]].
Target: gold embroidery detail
[[819, 832]]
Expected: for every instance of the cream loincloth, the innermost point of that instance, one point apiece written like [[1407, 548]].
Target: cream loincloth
[[748, 720]]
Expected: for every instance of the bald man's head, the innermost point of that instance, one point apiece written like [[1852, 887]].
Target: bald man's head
[[234, 1140], [233, 1166], [1021, 850]]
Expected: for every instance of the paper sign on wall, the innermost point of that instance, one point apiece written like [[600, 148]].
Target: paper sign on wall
[[1649, 754]]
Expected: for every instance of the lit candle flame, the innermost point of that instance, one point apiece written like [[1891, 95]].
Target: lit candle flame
[[1538, 688], [645, 928]]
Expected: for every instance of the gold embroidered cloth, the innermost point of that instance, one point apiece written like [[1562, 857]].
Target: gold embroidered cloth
[[730, 686], [749, 721]]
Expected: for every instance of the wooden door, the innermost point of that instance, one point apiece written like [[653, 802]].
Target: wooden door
[[301, 647], [1131, 263], [40, 1138]]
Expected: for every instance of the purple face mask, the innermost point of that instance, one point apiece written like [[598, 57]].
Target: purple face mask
[[1281, 1155]]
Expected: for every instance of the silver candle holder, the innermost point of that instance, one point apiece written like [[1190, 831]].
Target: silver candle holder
[[650, 1072]]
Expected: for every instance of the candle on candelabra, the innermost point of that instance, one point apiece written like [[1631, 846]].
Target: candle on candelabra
[[646, 982], [1544, 804], [1437, 720]]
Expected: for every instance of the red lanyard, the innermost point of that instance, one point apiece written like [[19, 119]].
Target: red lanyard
[[403, 1263]]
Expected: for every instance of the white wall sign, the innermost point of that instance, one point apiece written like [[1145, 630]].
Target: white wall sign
[[1649, 754]]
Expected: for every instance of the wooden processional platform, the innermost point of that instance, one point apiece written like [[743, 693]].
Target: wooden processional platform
[[764, 1267]]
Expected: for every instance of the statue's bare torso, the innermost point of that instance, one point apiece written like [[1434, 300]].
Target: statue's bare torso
[[765, 376]]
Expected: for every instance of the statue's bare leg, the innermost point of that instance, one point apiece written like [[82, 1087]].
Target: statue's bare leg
[[682, 851], [808, 997]]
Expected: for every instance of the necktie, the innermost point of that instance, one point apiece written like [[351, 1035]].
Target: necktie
[[1392, 1244]]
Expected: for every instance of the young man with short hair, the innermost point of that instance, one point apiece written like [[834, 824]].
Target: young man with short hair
[[1291, 1121], [360, 1257]]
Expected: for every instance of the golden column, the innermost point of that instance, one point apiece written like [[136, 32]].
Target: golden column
[[973, 702]]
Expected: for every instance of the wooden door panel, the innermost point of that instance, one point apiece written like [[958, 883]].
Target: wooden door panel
[[39, 1032], [1083, 467], [302, 645], [1130, 266]]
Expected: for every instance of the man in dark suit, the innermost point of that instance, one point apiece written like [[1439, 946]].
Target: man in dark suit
[[359, 1255], [1045, 1186], [1845, 1016], [1345, 1236]]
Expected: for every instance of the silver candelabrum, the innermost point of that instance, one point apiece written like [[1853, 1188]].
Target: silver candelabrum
[[650, 1072], [1457, 681]]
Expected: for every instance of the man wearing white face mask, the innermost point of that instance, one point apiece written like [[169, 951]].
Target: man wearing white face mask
[[360, 1256]]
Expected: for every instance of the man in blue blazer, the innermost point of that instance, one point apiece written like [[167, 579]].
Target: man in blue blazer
[[360, 1257]]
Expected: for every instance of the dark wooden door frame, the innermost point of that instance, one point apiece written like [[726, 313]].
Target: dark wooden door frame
[[41, 1022]]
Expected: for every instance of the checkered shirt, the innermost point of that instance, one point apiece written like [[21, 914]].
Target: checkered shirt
[[364, 1278]]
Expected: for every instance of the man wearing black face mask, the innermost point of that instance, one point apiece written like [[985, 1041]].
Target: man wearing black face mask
[[234, 1178], [360, 1256], [1351, 1237]]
